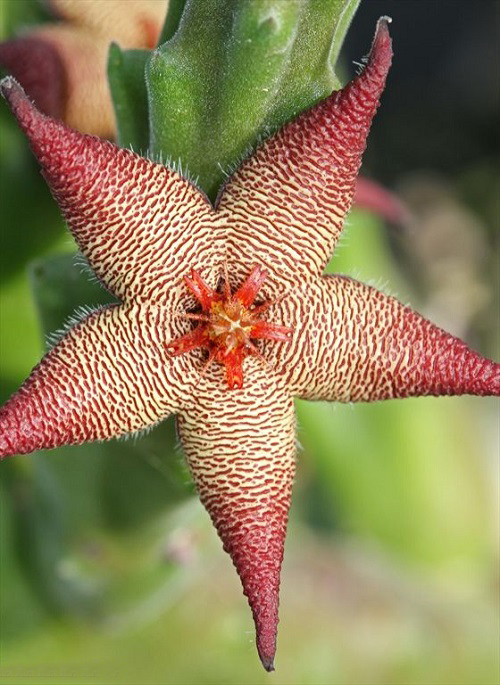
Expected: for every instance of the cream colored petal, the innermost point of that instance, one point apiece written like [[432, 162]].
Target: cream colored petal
[[240, 447], [87, 101], [353, 343], [285, 205], [108, 376], [141, 226], [131, 23]]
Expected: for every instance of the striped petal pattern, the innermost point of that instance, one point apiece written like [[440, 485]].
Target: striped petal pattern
[[285, 206], [138, 223], [240, 448], [353, 343], [148, 233], [108, 376]]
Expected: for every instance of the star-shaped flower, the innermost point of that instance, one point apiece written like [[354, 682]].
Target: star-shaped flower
[[239, 285]]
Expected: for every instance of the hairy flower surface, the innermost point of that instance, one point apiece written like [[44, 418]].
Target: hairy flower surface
[[62, 66], [164, 251]]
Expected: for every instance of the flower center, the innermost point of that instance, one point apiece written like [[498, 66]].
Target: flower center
[[230, 324], [227, 323]]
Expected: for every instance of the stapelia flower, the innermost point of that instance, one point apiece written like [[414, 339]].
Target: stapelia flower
[[225, 316], [62, 66]]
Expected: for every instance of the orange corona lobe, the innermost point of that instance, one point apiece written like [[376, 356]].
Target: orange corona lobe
[[227, 323]]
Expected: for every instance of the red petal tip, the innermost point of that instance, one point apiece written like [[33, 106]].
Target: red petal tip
[[382, 30], [7, 84], [18, 434], [266, 642], [268, 664], [21, 106], [384, 21], [251, 522], [48, 137], [381, 50]]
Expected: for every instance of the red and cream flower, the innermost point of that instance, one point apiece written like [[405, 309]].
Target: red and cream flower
[[254, 264]]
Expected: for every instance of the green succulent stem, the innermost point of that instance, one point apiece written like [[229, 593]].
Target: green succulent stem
[[226, 74]]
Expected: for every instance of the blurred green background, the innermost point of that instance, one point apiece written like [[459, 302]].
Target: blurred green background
[[110, 571]]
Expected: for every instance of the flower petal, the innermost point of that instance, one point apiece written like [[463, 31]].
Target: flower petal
[[135, 25], [62, 66], [353, 343], [63, 69], [240, 447], [137, 222], [87, 104], [109, 375], [286, 204]]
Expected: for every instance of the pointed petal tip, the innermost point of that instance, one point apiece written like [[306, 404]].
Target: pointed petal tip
[[39, 128], [268, 663], [457, 369], [382, 29], [490, 383], [13, 438], [378, 60], [382, 42], [358, 101], [265, 614], [384, 22], [15, 96], [56, 146], [7, 84], [266, 645]]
